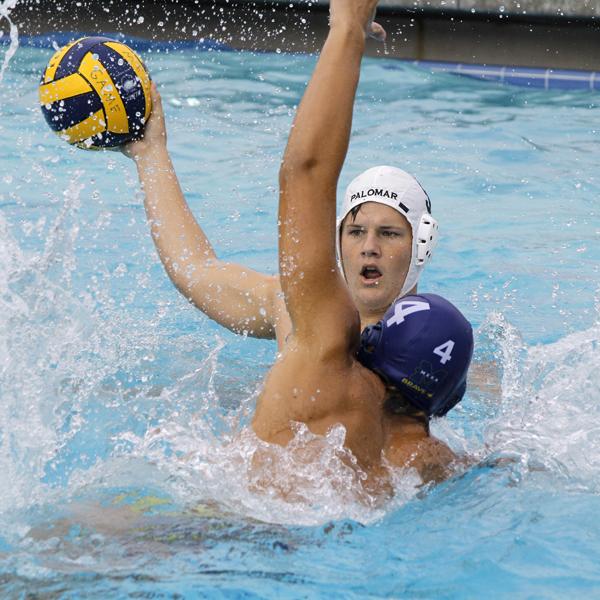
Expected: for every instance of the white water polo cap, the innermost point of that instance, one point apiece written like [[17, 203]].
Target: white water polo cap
[[399, 190]]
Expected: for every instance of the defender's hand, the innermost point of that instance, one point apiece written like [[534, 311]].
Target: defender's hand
[[155, 131], [356, 12]]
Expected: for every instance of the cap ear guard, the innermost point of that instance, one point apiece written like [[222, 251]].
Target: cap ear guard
[[427, 238]]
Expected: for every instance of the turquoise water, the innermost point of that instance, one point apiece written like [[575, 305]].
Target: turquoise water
[[123, 457]]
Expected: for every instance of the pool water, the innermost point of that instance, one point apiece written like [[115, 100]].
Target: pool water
[[123, 445]]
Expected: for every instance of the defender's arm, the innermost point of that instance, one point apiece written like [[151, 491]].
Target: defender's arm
[[234, 296], [316, 296]]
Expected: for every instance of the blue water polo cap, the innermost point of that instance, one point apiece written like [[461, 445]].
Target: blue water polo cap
[[423, 348]]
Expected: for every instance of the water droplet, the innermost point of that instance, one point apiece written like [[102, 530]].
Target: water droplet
[[120, 270]]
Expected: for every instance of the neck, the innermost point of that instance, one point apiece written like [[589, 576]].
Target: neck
[[370, 316]]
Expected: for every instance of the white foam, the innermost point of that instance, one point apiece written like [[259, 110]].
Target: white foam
[[549, 412]]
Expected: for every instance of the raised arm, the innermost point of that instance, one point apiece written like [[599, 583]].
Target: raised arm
[[316, 296], [234, 296]]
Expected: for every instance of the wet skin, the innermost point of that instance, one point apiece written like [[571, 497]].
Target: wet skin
[[376, 249], [327, 312], [235, 296]]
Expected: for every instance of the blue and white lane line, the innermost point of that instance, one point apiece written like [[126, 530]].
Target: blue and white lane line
[[547, 79]]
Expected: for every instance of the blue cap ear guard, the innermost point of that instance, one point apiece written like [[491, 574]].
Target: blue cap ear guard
[[423, 348]]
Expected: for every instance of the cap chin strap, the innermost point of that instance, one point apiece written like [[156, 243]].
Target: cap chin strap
[[424, 242]]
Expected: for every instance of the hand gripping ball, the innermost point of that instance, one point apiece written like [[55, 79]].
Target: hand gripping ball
[[95, 93]]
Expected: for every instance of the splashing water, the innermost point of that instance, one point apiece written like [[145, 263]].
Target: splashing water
[[59, 361], [6, 7], [122, 403], [551, 416], [39, 324]]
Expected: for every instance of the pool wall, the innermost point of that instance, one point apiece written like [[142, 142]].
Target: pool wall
[[545, 35], [509, 8]]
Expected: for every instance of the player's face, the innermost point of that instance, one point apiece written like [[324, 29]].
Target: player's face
[[376, 250]]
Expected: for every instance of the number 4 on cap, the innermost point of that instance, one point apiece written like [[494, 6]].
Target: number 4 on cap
[[405, 308], [444, 351]]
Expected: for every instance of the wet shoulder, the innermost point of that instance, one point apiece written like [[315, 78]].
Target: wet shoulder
[[430, 457]]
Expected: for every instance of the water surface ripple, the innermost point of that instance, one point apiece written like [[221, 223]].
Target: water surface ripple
[[122, 465]]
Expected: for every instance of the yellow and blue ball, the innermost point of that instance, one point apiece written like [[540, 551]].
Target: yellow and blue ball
[[95, 93]]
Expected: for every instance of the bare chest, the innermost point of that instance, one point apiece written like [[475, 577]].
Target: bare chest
[[322, 394]]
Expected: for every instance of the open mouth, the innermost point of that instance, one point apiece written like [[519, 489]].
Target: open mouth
[[370, 273]]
